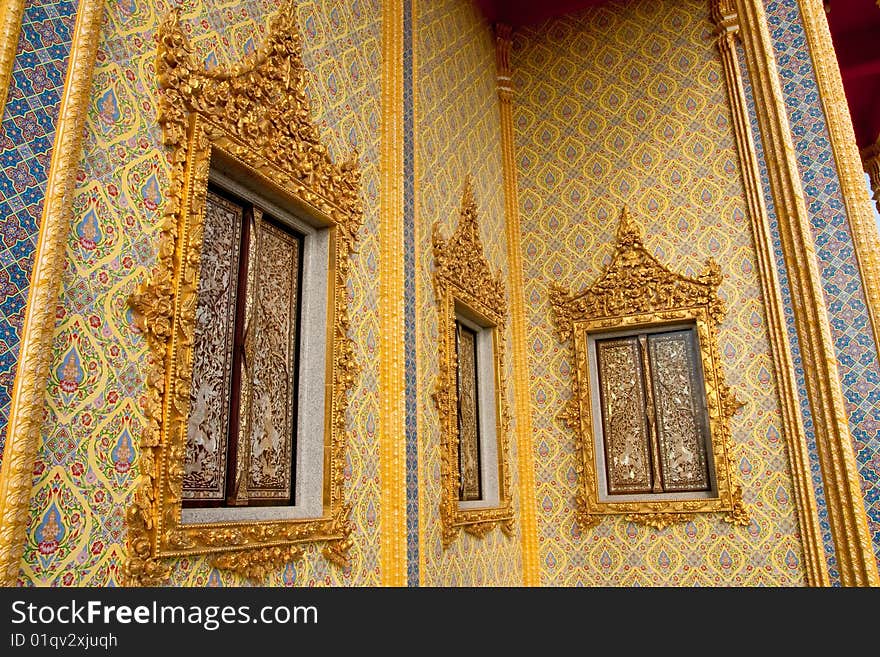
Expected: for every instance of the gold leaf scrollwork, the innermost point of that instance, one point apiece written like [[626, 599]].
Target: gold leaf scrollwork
[[256, 115], [659, 520], [256, 564], [462, 275], [638, 291]]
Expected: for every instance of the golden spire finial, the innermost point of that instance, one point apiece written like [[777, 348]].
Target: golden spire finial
[[468, 204], [628, 231]]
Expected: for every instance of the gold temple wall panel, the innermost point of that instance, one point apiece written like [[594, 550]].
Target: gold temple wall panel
[[626, 104], [457, 132]]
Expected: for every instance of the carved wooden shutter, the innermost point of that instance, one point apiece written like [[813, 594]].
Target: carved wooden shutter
[[654, 419], [242, 421], [468, 413]]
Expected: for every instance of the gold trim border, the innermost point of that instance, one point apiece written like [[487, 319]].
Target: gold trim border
[[392, 375], [11, 14], [846, 513], [35, 355], [850, 170], [522, 407], [816, 567]]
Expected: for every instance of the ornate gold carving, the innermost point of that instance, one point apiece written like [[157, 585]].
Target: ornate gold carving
[[662, 520], [522, 407], [392, 345], [845, 505], [816, 568], [463, 275], [254, 115], [637, 291], [11, 12], [256, 564], [35, 351]]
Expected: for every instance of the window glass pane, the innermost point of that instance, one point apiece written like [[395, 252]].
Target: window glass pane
[[680, 417], [468, 413], [208, 425], [624, 425], [273, 375]]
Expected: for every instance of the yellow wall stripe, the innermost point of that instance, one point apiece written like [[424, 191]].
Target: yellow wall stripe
[[392, 434], [522, 412]]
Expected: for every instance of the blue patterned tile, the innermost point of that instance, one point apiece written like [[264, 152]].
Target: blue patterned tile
[[409, 277], [26, 137]]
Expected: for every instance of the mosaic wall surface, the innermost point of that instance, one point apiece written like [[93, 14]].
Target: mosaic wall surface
[[27, 134], [457, 132], [857, 360], [88, 461], [625, 104], [785, 291]]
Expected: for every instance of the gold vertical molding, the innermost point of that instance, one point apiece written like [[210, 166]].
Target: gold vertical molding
[[846, 512], [392, 425], [35, 352], [816, 568], [866, 241], [871, 162], [11, 13], [523, 413]]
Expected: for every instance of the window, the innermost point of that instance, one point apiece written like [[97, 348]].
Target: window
[[477, 410], [651, 425], [255, 429], [649, 407], [470, 392], [241, 430], [246, 318]]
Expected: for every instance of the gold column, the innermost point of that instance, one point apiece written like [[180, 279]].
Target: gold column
[[725, 17], [392, 426], [11, 13], [871, 162], [846, 512], [523, 411], [866, 241], [35, 352]]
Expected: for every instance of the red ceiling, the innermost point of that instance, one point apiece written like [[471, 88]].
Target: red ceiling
[[855, 31]]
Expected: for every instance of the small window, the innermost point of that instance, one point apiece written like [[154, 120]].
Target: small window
[[477, 406], [470, 389], [241, 430], [652, 424]]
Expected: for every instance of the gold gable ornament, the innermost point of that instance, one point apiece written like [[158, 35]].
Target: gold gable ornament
[[636, 291], [462, 275], [255, 117]]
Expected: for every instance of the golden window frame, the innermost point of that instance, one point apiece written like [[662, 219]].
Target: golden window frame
[[636, 292], [463, 278], [255, 117]]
